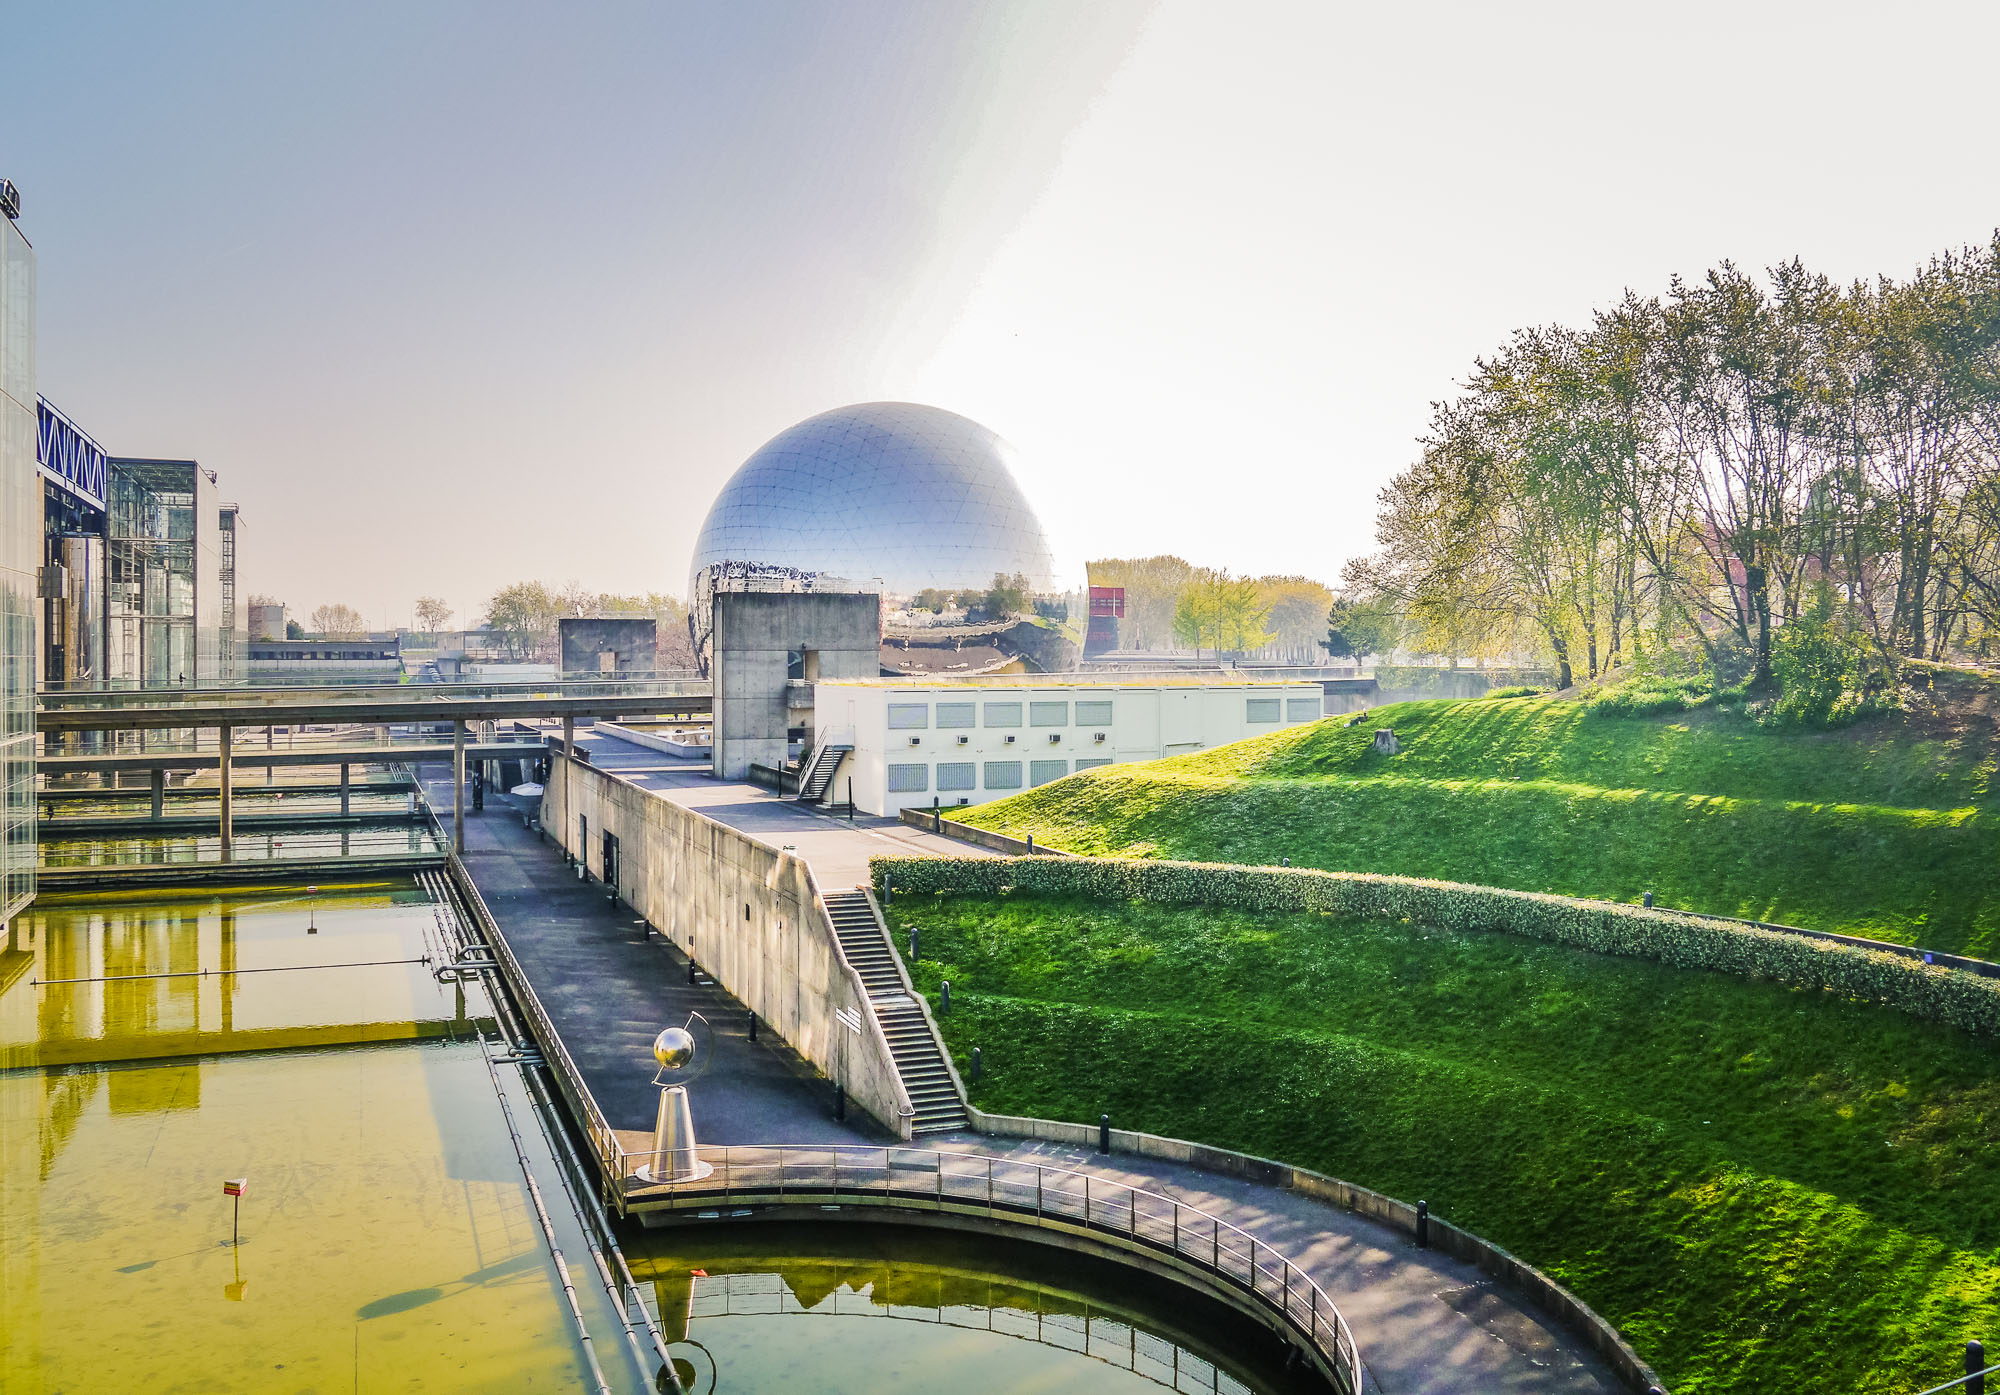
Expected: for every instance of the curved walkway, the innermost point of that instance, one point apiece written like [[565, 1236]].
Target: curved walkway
[[1426, 1324]]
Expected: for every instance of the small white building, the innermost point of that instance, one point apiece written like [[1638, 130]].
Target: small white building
[[915, 742]]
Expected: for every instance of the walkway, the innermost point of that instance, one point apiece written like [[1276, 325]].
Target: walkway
[[837, 848], [1426, 1324], [610, 986]]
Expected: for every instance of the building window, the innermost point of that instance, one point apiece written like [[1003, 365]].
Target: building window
[[1003, 714], [1306, 709], [957, 775], [1040, 772], [1093, 714], [1003, 774], [957, 714], [909, 779], [1048, 714], [1092, 763], [905, 715], [1260, 710]]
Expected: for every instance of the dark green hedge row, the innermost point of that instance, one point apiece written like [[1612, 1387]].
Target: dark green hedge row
[[1949, 996]]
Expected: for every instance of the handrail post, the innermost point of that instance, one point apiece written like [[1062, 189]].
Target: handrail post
[[989, 1184]]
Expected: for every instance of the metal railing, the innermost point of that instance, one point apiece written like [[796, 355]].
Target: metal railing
[[1021, 1192], [58, 699]]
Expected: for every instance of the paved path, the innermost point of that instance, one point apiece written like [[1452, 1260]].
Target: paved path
[[837, 848], [1426, 1324], [609, 987]]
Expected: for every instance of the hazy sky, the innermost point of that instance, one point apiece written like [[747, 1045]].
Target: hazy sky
[[453, 294]]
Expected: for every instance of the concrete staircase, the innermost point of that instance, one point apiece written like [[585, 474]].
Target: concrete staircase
[[919, 1057], [818, 779]]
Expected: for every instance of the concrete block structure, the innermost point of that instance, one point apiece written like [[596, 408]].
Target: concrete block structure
[[768, 651], [609, 644], [970, 741]]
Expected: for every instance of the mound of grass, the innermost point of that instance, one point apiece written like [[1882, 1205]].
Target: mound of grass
[[1764, 1188], [1889, 829]]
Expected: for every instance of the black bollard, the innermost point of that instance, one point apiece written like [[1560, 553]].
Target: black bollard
[[691, 971], [913, 944], [1647, 900], [1975, 1361], [975, 1064], [1423, 1225], [840, 1103], [1104, 1133], [1285, 861], [1031, 843], [753, 1026], [944, 997], [937, 821], [888, 890]]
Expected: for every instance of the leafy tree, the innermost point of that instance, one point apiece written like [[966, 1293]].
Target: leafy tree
[[1152, 596], [1296, 609], [1359, 627], [294, 630], [338, 622], [432, 614], [1221, 612]]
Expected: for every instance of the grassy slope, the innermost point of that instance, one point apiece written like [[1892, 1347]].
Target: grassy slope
[[1890, 829], [1758, 1185]]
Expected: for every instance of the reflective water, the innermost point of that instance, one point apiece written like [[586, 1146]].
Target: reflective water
[[106, 976], [387, 1242], [398, 837], [757, 1308], [387, 1237]]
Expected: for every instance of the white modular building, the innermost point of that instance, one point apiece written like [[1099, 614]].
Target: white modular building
[[890, 744]]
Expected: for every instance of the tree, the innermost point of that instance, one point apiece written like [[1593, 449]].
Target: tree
[[1152, 588], [432, 613], [676, 649], [338, 622], [1296, 609], [1359, 626], [522, 617], [1221, 612], [294, 630]]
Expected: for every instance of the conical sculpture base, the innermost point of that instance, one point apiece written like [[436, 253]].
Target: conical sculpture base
[[674, 1157]]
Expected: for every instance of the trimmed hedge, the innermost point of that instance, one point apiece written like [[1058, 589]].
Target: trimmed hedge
[[1936, 994]]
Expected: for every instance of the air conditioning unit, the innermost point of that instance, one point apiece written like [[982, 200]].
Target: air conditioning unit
[[1097, 737], [916, 741], [964, 801], [963, 740], [1055, 738], [1010, 741]]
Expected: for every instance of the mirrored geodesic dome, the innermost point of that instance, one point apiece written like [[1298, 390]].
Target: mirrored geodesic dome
[[889, 496]]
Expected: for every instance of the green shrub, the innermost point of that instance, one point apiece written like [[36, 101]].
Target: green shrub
[[1519, 690], [1823, 670], [1936, 994]]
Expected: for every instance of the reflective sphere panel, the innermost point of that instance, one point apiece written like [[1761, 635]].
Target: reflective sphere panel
[[914, 496], [673, 1048]]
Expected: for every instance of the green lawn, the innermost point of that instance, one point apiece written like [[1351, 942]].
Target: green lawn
[[1766, 1189], [1889, 829]]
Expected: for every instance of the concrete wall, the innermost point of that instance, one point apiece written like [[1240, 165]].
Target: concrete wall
[[747, 912], [632, 643], [756, 633]]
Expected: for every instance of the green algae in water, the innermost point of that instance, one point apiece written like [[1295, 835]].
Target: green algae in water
[[387, 1239], [118, 943]]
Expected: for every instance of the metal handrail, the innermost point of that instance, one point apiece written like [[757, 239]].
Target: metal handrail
[[1023, 1191]]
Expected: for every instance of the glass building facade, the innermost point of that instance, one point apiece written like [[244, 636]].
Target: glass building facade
[[163, 576], [20, 553]]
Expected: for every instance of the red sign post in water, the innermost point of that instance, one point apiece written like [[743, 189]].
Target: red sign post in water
[[234, 1188]]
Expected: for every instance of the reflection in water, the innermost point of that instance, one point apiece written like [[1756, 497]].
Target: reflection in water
[[984, 1316], [387, 1243], [382, 838], [110, 978]]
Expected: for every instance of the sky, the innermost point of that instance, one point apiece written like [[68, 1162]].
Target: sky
[[455, 293]]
